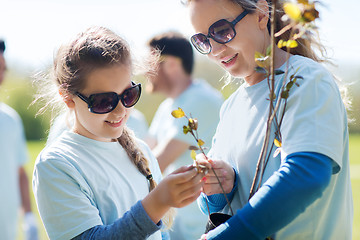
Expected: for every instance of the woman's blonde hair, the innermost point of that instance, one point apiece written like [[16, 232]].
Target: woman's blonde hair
[[92, 49]]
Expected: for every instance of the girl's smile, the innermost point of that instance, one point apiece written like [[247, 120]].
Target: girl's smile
[[114, 124]]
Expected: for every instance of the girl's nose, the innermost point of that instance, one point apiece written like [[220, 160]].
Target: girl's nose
[[216, 48], [120, 109]]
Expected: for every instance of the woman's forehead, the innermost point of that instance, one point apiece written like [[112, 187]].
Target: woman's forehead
[[203, 13]]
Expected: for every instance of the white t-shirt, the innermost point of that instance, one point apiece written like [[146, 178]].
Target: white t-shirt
[[80, 183], [315, 121], [13, 154], [203, 102]]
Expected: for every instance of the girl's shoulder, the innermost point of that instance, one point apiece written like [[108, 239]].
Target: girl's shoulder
[[66, 149]]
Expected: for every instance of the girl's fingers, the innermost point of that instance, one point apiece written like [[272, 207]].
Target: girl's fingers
[[182, 175], [190, 196], [182, 186], [182, 169]]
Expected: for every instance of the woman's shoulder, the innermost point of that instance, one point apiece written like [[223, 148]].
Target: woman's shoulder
[[303, 65], [311, 74]]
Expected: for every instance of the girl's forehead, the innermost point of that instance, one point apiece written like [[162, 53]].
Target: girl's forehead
[[108, 79]]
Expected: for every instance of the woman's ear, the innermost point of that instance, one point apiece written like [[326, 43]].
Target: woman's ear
[[67, 98], [263, 13]]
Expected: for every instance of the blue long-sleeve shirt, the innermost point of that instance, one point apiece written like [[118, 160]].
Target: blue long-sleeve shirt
[[300, 180], [135, 224]]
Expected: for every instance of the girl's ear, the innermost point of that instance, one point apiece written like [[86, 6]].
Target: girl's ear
[[67, 98], [262, 13]]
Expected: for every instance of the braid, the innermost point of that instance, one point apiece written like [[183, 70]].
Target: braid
[[136, 155], [126, 140]]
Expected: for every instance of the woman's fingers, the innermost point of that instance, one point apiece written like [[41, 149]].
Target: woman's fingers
[[202, 160]]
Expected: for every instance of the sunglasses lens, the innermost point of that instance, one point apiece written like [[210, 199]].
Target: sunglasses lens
[[103, 102], [201, 43], [131, 96], [222, 31]]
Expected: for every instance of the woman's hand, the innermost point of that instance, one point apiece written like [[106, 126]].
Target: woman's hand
[[178, 189], [224, 172]]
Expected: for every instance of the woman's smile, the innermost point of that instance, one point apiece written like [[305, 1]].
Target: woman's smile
[[229, 61]]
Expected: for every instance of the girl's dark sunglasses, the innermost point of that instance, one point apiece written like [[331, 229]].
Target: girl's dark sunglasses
[[221, 31], [101, 103]]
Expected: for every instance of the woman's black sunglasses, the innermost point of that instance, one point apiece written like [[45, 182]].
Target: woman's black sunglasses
[[102, 103], [221, 31]]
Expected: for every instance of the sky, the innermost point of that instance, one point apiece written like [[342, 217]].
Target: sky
[[34, 29]]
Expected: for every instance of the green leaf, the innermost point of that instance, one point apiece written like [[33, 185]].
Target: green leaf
[[268, 50], [280, 43], [285, 94], [291, 44], [258, 55], [186, 129], [193, 123], [200, 142], [193, 148], [261, 70], [178, 113], [263, 62], [310, 15], [193, 154], [273, 96], [278, 72], [289, 85], [293, 11], [277, 143]]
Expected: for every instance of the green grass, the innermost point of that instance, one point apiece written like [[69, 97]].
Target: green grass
[[36, 147], [355, 181]]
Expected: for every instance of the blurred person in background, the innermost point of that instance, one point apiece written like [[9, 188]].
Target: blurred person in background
[[14, 185], [173, 78]]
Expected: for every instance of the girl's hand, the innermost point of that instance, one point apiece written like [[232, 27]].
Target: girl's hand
[[224, 172], [178, 189], [181, 187]]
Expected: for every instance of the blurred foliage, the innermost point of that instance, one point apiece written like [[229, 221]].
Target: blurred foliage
[[17, 91], [349, 74]]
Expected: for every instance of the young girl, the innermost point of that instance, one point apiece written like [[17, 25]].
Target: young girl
[[96, 181], [305, 192]]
